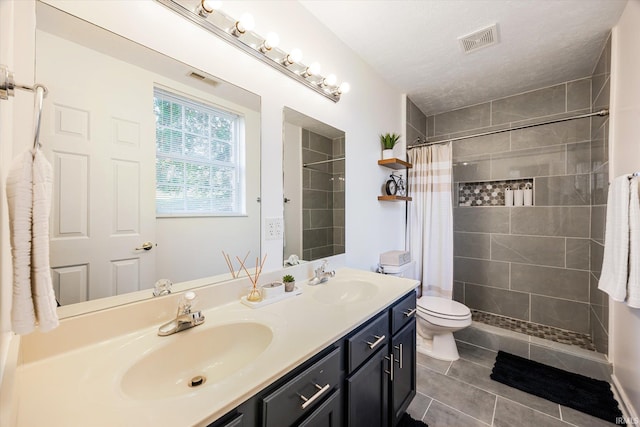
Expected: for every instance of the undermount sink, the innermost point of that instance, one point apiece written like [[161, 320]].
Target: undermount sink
[[195, 358], [339, 291]]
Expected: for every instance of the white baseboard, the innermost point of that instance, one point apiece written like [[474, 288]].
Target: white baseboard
[[625, 404]]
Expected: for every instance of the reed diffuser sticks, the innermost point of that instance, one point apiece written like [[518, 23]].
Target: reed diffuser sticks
[[254, 293]]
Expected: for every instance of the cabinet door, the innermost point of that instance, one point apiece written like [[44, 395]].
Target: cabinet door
[[367, 392], [329, 414], [403, 385]]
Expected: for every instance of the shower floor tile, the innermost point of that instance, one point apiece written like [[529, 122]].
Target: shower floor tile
[[535, 329]]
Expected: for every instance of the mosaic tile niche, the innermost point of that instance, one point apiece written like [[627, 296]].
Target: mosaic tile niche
[[488, 193]]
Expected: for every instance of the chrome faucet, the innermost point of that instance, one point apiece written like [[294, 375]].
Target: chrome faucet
[[185, 318], [321, 275]]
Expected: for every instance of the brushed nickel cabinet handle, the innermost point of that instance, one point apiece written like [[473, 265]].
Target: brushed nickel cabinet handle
[[378, 340], [390, 371], [410, 312], [399, 347], [319, 393]]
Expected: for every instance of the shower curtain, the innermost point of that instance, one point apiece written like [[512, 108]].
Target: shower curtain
[[430, 222]]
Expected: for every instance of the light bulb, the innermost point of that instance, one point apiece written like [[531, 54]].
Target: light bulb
[[345, 87], [330, 80], [272, 40], [245, 23], [312, 69], [206, 7], [294, 56]]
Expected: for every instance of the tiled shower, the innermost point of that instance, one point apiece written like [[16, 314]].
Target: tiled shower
[[322, 196], [538, 263]]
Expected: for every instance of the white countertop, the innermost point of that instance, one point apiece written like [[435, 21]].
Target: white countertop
[[82, 386]]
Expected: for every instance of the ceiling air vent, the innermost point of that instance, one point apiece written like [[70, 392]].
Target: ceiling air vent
[[479, 39]]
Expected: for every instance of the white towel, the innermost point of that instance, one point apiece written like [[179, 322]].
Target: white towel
[[633, 285], [41, 286], [613, 279], [29, 199], [20, 203]]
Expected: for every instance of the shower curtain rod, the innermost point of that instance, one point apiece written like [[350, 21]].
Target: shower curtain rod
[[603, 112], [304, 165]]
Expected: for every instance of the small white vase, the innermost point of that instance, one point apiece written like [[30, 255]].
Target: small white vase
[[387, 154]]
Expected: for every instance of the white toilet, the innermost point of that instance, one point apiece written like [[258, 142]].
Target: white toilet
[[437, 320]]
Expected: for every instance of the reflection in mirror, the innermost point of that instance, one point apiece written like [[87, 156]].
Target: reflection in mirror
[[314, 181], [156, 164]]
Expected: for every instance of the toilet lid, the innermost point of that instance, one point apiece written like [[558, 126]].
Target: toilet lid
[[442, 307]]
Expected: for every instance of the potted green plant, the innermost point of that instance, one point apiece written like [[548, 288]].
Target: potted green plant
[[289, 282], [388, 140]]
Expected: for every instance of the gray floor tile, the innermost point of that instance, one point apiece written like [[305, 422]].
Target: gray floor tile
[[478, 376], [440, 415], [418, 406], [454, 393], [476, 354], [510, 414], [571, 363], [581, 419], [439, 366]]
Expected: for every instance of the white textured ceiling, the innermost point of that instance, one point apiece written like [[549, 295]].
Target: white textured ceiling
[[414, 44]]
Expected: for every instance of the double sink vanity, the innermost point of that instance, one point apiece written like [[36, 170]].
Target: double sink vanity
[[340, 353]]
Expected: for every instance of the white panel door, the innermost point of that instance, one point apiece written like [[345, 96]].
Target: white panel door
[[101, 141]]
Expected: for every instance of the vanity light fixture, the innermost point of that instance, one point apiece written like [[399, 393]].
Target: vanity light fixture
[[207, 7], [272, 40], [239, 32], [292, 57], [244, 24]]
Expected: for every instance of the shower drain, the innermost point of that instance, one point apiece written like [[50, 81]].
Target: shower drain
[[196, 381]]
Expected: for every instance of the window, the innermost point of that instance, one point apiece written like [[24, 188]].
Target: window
[[199, 158]]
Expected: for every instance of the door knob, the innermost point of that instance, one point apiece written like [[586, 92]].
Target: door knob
[[147, 246]]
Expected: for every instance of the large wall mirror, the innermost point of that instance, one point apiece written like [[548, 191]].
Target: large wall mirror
[[156, 164], [314, 182]]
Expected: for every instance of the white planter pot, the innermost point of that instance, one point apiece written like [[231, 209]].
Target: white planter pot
[[387, 154]]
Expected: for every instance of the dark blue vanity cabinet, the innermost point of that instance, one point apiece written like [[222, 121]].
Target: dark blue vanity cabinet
[[366, 379]]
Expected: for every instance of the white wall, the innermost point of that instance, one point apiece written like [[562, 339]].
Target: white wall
[[372, 107], [624, 334]]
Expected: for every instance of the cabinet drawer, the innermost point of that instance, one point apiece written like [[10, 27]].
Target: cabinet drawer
[[403, 311], [367, 341], [286, 405]]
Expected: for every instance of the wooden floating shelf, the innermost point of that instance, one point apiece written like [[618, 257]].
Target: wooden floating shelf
[[395, 198], [395, 163]]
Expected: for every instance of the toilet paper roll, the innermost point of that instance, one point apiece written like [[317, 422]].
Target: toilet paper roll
[[518, 198], [508, 197], [273, 289], [528, 197]]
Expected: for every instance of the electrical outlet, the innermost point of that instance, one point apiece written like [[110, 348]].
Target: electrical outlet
[[273, 228]]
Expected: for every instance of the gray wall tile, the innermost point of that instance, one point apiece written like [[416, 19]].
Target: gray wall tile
[[567, 221], [320, 143], [578, 254], [600, 187], [481, 272], [472, 169], [599, 147], [458, 292], [472, 245], [563, 190], [499, 301], [579, 157], [481, 145], [578, 94], [537, 103], [602, 98], [549, 281], [416, 118], [561, 313], [598, 216], [529, 163], [599, 335], [528, 249], [474, 117], [553, 134], [597, 253], [481, 219]]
